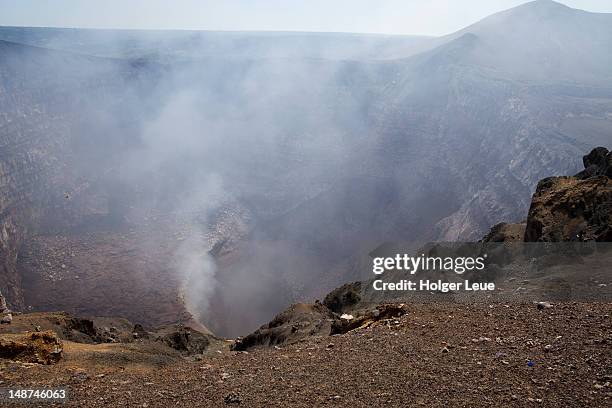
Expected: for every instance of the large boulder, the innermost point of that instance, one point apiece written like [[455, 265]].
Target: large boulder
[[32, 347], [596, 163], [344, 298], [298, 321], [575, 208], [185, 339]]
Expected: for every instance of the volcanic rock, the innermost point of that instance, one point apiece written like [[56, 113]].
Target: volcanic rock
[[34, 347], [184, 339], [543, 305], [298, 321], [81, 325], [7, 319], [343, 298], [504, 232], [139, 332], [596, 163], [574, 208], [3, 306], [365, 318], [232, 398]]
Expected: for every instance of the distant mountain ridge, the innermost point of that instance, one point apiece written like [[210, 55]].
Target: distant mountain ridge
[[517, 35], [219, 44], [546, 40]]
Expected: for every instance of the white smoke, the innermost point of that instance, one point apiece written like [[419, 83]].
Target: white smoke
[[181, 136], [197, 271]]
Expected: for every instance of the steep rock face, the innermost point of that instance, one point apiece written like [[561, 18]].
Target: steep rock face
[[22, 197], [574, 208], [10, 281], [31, 139], [596, 163], [45, 107], [504, 232]]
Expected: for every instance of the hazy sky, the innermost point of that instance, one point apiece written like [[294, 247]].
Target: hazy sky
[[427, 17]]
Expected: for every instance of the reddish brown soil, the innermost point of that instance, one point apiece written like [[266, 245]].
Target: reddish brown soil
[[435, 356]]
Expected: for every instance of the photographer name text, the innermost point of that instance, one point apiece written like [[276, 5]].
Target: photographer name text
[[433, 286]]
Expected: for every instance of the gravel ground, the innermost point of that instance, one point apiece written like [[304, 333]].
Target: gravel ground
[[441, 355]]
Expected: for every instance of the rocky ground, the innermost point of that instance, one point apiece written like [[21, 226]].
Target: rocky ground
[[434, 355]]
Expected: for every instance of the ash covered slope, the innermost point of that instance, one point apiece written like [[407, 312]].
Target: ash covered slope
[[547, 41]]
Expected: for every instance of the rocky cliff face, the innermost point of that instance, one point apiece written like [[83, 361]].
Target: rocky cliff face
[[32, 139], [10, 280], [43, 103], [575, 208]]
